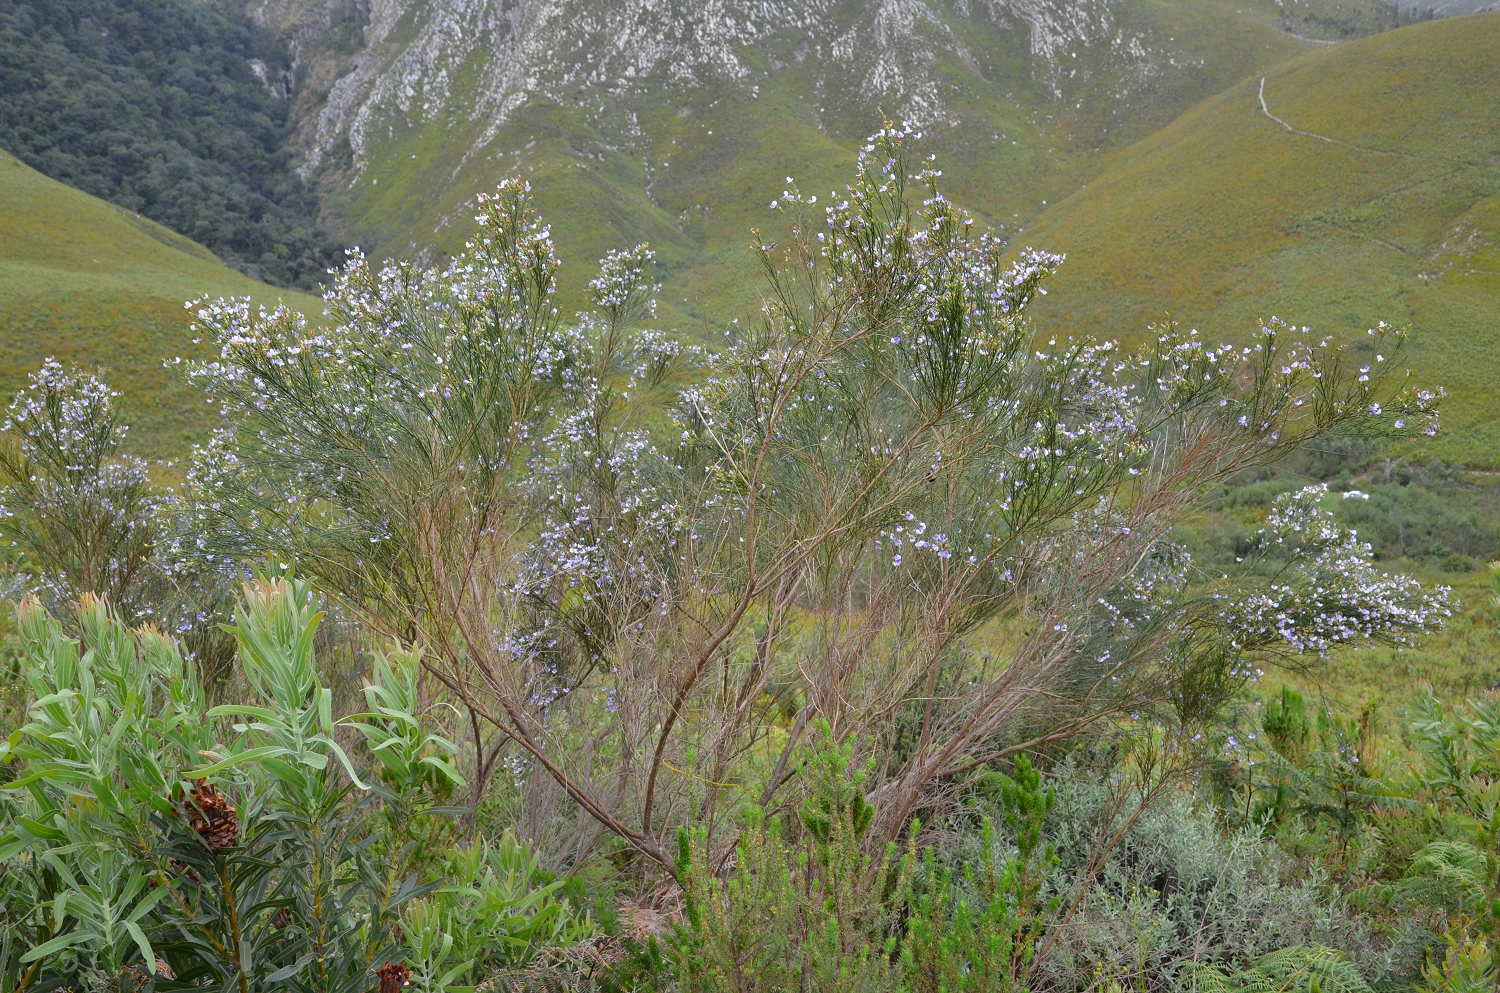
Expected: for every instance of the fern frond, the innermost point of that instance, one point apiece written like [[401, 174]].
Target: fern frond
[[1300, 969], [1309, 967], [1200, 978]]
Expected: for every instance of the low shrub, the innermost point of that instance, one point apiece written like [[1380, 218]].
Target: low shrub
[[1177, 890], [140, 850]]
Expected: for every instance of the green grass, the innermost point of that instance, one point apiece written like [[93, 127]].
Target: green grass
[[95, 285], [1225, 216]]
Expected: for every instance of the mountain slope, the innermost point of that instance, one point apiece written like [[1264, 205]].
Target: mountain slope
[[88, 282], [676, 120], [1366, 187]]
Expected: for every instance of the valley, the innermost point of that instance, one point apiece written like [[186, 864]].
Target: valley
[[1129, 135], [1352, 185]]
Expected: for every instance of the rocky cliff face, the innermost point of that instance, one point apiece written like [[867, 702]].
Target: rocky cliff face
[[485, 59]]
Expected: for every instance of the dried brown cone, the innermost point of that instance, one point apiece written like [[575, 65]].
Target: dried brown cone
[[212, 816], [394, 977], [282, 918]]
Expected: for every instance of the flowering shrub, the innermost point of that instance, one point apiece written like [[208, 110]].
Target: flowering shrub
[[636, 572], [84, 514], [628, 559], [1326, 590]]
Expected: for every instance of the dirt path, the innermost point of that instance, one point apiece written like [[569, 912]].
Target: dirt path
[[1264, 109], [1313, 134]]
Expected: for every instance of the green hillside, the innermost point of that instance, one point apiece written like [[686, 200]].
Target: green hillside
[[1376, 196], [91, 283], [174, 109], [691, 166]]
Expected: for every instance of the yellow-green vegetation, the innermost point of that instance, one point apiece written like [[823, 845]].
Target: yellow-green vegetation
[[96, 285], [1370, 195]]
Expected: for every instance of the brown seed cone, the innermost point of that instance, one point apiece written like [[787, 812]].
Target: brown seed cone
[[282, 919], [394, 976], [212, 816]]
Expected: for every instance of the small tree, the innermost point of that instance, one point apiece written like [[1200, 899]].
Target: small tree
[[634, 569]]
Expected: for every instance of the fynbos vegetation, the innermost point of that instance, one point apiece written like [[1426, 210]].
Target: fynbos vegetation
[[859, 650]]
